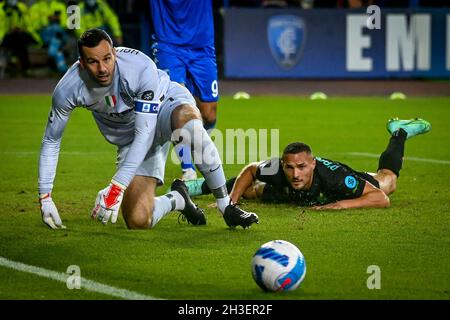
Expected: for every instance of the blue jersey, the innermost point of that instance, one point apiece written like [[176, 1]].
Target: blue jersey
[[183, 22]]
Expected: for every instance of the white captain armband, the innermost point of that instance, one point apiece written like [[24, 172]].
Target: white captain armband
[[145, 106]]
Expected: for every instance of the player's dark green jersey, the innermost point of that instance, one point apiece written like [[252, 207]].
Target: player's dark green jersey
[[332, 181]]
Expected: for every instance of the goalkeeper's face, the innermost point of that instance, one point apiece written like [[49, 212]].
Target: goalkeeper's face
[[99, 62], [299, 169]]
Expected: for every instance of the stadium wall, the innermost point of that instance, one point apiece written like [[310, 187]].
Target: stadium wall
[[336, 44]]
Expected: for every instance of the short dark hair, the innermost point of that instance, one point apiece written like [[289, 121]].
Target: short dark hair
[[91, 38], [297, 147]]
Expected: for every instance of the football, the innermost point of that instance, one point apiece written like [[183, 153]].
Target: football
[[278, 266]]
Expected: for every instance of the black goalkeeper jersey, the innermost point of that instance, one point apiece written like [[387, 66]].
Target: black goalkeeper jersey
[[332, 181]]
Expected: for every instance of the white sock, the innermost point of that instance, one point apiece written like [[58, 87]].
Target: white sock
[[206, 156], [179, 200], [163, 205], [207, 160], [222, 203]]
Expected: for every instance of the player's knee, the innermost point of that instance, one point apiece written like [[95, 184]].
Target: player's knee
[[183, 114], [138, 218]]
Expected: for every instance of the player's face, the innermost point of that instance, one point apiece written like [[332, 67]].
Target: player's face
[[299, 169], [99, 62]]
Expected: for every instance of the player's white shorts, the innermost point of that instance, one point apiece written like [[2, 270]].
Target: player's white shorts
[[155, 161]]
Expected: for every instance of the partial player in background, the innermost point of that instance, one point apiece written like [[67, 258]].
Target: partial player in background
[[184, 48], [137, 108], [304, 180]]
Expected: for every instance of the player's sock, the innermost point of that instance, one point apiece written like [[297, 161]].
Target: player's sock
[[165, 204], [222, 203], [207, 159], [179, 202], [392, 157]]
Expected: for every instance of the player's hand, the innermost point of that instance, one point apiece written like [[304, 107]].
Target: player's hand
[[108, 203], [49, 212]]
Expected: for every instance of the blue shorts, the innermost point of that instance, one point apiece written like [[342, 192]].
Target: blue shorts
[[196, 68]]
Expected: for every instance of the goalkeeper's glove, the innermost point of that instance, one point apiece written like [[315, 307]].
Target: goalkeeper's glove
[[108, 203], [49, 212]]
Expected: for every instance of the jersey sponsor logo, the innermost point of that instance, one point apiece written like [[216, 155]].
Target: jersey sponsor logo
[[350, 182], [286, 35], [146, 106], [148, 95]]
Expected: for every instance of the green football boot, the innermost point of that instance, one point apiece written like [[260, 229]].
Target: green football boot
[[413, 127], [195, 187]]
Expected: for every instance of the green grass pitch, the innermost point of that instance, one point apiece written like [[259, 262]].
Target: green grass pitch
[[410, 241]]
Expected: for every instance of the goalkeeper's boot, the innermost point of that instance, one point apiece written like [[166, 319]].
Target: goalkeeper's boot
[[193, 214], [195, 187], [235, 216], [413, 127]]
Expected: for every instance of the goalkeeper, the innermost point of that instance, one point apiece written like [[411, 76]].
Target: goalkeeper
[[304, 180], [138, 109]]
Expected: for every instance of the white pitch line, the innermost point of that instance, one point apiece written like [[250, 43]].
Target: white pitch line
[[87, 284], [373, 155]]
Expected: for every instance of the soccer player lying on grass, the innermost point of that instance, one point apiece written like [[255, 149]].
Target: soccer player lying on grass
[[138, 109], [302, 179]]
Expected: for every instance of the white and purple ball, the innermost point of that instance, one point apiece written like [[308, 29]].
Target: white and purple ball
[[278, 266]]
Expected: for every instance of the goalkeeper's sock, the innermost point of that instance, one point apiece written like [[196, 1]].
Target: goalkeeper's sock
[[392, 157], [222, 203], [207, 159], [178, 203], [165, 204]]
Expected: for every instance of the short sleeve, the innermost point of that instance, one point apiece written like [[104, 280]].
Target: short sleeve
[[345, 184], [270, 172]]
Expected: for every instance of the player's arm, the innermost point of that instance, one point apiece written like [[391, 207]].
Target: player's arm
[[371, 197], [244, 181], [109, 199], [48, 160]]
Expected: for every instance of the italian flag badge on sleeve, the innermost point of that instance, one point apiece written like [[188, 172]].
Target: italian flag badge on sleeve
[[111, 101]]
